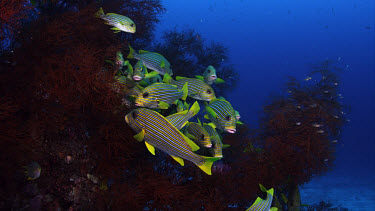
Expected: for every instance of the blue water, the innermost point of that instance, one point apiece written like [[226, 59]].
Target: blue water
[[271, 39]]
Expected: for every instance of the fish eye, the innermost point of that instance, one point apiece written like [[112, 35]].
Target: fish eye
[[202, 137], [209, 71], [132, 25], [208, 91], [228, 118], [134, 114], [145, 95]]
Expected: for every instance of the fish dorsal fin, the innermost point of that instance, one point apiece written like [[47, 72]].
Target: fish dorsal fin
[[221, 98], [199, 121], [150, 148], [178, 159], [174, 119], [143, 51], [200, 77], [219, 81], [163, 105], [140, 136], [179, 77], [194, 146]]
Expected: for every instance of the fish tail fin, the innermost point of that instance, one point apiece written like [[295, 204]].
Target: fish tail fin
[[100, 13], [194, 109], [207, 164], [131, 53], [167, 78], [184, 91]]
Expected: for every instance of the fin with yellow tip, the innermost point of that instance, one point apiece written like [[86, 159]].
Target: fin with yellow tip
[[179, 160], [179, 77], [186, 105], [140, 136], [99, 13], [199, 77], [206, 116], [212, 125], [207, 164], [194, 146], [167, 78], [211, 112], [163, 105], [194, 108], [219, 81], [274, 209], [239, 123], [150, 148], [185, 91]]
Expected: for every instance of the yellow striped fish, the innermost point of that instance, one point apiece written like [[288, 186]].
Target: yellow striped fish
[[197, 133], [221, 113], [119, 22], [263, 205], [197, 89], [209, 76], [217, 146], [158, 132], [180, 119], [151, 60], [160, 95]]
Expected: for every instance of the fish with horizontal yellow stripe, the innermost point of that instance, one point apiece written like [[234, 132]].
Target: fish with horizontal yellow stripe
[[196, 132], [261, 204], [197, 89], [222, 114], [160, 95], [119, 22], [158, 132], [152, 60]]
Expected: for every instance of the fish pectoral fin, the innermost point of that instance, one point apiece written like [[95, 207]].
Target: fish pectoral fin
[[190, 136], [239, 123], [207, 164], [199, 121], [200, 77], [212, 125], [273, 209], [151, 74], [140, 136], [211, 111], [117, 32], [194, 146], [179, 160], [206, 116], [185, 90], [219, 81], [150, 148], [163, 105], [162, 64], [115, 28]]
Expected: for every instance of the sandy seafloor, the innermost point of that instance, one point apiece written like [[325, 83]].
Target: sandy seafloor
[[355, 193]]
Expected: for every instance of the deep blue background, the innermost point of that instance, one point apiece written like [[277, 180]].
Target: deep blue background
[[270, 39]]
